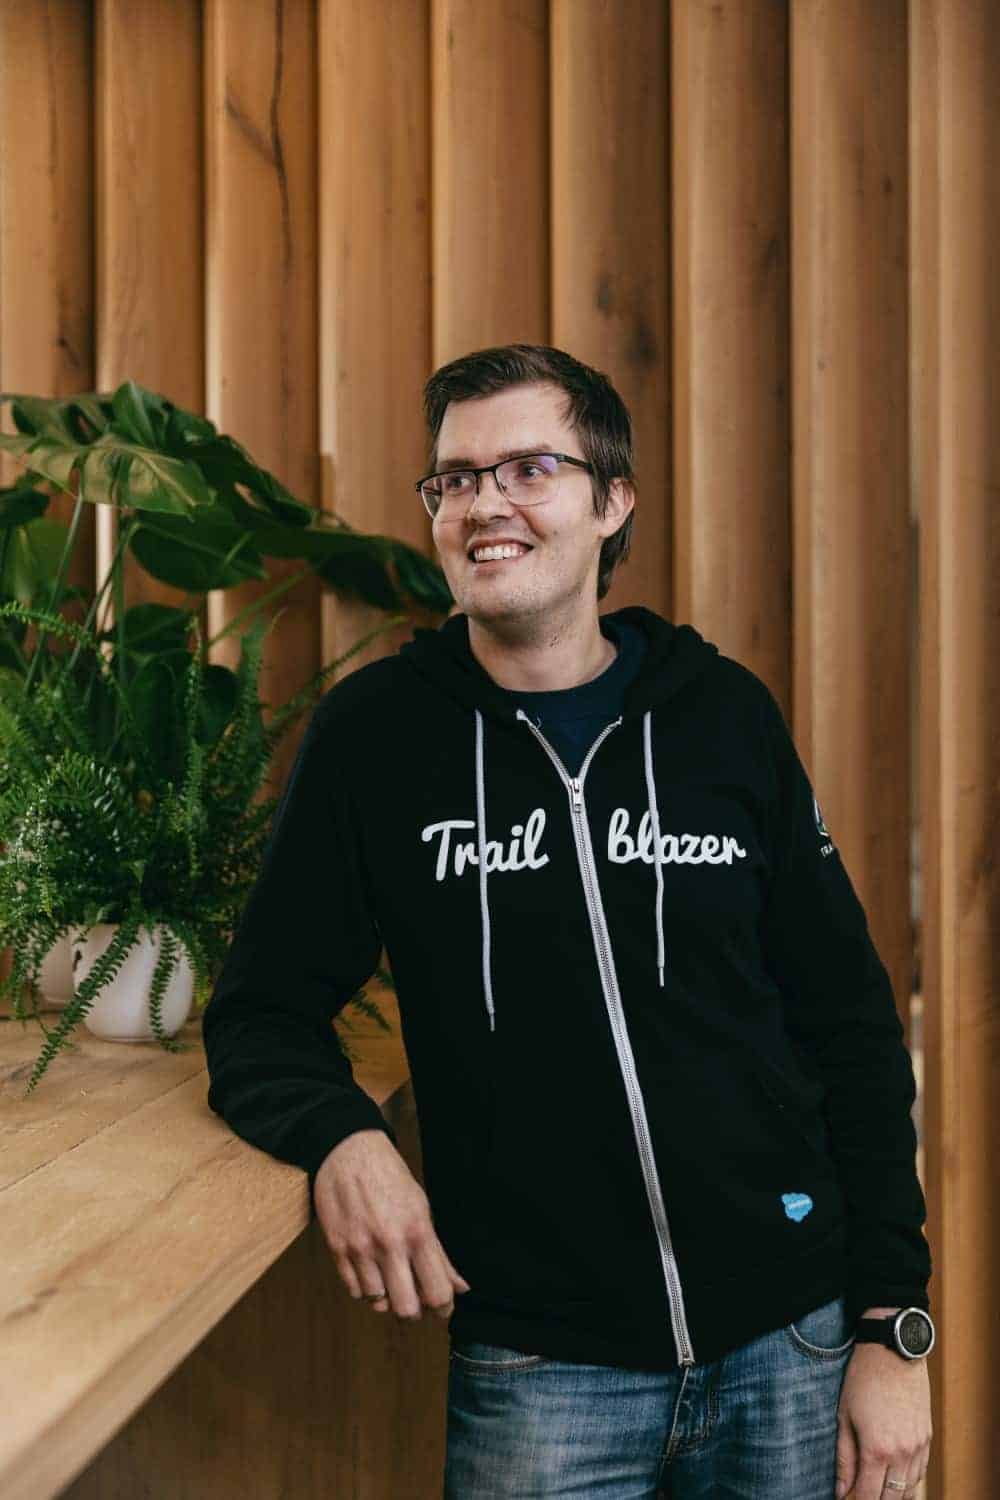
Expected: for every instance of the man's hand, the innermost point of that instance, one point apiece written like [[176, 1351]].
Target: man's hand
[[884, 1422], [377, 1221]]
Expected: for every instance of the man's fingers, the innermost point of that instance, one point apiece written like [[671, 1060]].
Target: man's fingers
[[915, 1473], [847, 1459], [434, 1277], [371, 1279], [456, 1276], [347, 1273], [870, 1482], [398, 1275]]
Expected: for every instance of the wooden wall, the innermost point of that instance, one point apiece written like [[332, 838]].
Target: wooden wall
[[770, 221]]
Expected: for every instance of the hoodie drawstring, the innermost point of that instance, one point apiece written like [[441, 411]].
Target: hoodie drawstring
[[654, 819], [484, 905]]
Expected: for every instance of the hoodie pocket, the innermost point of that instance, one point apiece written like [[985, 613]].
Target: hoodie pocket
[[798, 1107], [742, 1158]]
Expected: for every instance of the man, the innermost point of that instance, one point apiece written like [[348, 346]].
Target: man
[[663, 1095]]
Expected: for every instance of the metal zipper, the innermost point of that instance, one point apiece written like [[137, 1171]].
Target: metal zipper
[[616, 1014]]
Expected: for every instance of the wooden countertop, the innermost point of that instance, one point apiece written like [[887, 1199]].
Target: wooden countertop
[[131, 1220]]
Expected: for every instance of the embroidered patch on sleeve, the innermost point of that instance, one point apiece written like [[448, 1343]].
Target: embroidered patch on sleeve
[[824, 832]]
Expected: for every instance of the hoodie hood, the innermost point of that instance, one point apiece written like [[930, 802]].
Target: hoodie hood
[[674, 655]]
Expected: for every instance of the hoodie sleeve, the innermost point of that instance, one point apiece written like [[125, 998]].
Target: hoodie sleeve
[[305, 943], [839, 1007]]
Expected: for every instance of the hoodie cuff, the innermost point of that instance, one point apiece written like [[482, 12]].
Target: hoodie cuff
[[861, 1297]]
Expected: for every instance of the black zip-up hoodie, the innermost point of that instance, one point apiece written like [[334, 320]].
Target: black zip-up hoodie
[[663, 1095]]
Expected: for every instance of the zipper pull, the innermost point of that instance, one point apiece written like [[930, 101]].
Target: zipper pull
[[577, 794]]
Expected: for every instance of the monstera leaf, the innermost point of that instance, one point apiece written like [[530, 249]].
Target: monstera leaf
[[203, 514]]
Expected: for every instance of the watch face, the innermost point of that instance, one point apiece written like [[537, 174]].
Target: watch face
[[915, 1333]]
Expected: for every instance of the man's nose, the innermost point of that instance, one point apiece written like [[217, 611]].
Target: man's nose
[[490, 499]]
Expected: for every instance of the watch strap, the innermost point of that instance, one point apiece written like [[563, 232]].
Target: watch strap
[[876, 1331]]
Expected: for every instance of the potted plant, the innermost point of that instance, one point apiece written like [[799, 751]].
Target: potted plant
[[196, 512], [130, 820]]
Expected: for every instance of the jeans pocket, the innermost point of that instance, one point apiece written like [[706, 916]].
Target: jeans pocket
[[824, 1332], [476, 1357]]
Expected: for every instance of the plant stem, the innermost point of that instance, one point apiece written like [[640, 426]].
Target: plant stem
[[256, 604]]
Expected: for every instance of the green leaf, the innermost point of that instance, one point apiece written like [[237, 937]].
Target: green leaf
[[185, 428], [145, 479], [19, 503], [133, 407], [33, 553], [220, 689], [154, 700], [55, 460], [99, 474], [152, 628], [360, 576], [43, 416], [77, 418], [190, 554], [225, 464], [16, 443], [422, 578], [315, 543]]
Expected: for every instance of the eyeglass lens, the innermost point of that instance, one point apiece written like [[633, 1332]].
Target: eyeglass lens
[[526, 481]]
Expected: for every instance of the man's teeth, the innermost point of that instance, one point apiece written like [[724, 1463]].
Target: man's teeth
[[489, 554]]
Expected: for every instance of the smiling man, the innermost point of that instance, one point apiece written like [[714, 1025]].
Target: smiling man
[[663, 1094]]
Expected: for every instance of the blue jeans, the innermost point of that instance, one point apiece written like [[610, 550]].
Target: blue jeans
[[758, 1424]]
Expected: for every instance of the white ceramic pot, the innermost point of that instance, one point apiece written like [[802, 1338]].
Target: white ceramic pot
[[120, 1011], [55, 977]]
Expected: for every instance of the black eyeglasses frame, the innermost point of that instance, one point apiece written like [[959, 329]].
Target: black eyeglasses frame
[[563, 458]]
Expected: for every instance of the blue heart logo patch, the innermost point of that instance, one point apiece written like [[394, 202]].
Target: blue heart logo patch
[[797, 1205]]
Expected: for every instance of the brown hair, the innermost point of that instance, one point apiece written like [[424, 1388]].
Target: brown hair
[[595, 409]]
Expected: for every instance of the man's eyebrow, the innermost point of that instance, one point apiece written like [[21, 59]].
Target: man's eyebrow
[[505, 453]]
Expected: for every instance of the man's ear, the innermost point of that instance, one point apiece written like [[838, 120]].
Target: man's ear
[[621, 499]]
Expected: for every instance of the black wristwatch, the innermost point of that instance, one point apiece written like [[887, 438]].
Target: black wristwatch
[[910, 1332]]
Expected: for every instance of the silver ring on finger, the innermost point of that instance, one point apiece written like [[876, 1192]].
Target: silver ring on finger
[[895, 1484], [375, 1296]]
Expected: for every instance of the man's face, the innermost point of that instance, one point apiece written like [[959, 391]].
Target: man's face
[[561, 538]]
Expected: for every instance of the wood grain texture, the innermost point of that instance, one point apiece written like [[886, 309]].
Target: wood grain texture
[[374, 283], [47, 235], [611, 246], [851, 584], [955, 79], [149, 249], [172, 1322], [490, 112], [261, 300], [730, 216]]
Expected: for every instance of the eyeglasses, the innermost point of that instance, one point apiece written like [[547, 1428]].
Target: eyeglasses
[[527, 480]]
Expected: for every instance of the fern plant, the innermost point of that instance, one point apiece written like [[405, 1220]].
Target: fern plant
[[129, 795]]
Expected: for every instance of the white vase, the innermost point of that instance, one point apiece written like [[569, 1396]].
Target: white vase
[[55, 976], [120, 1010]]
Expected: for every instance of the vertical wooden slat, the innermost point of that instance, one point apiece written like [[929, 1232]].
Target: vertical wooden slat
[[46, 231], [956, 220], [730, 227], [150, 322], [375, 353], [375, 284], [850, 463], [610, 245], [46, 220], [490, 111], [261, 297]]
